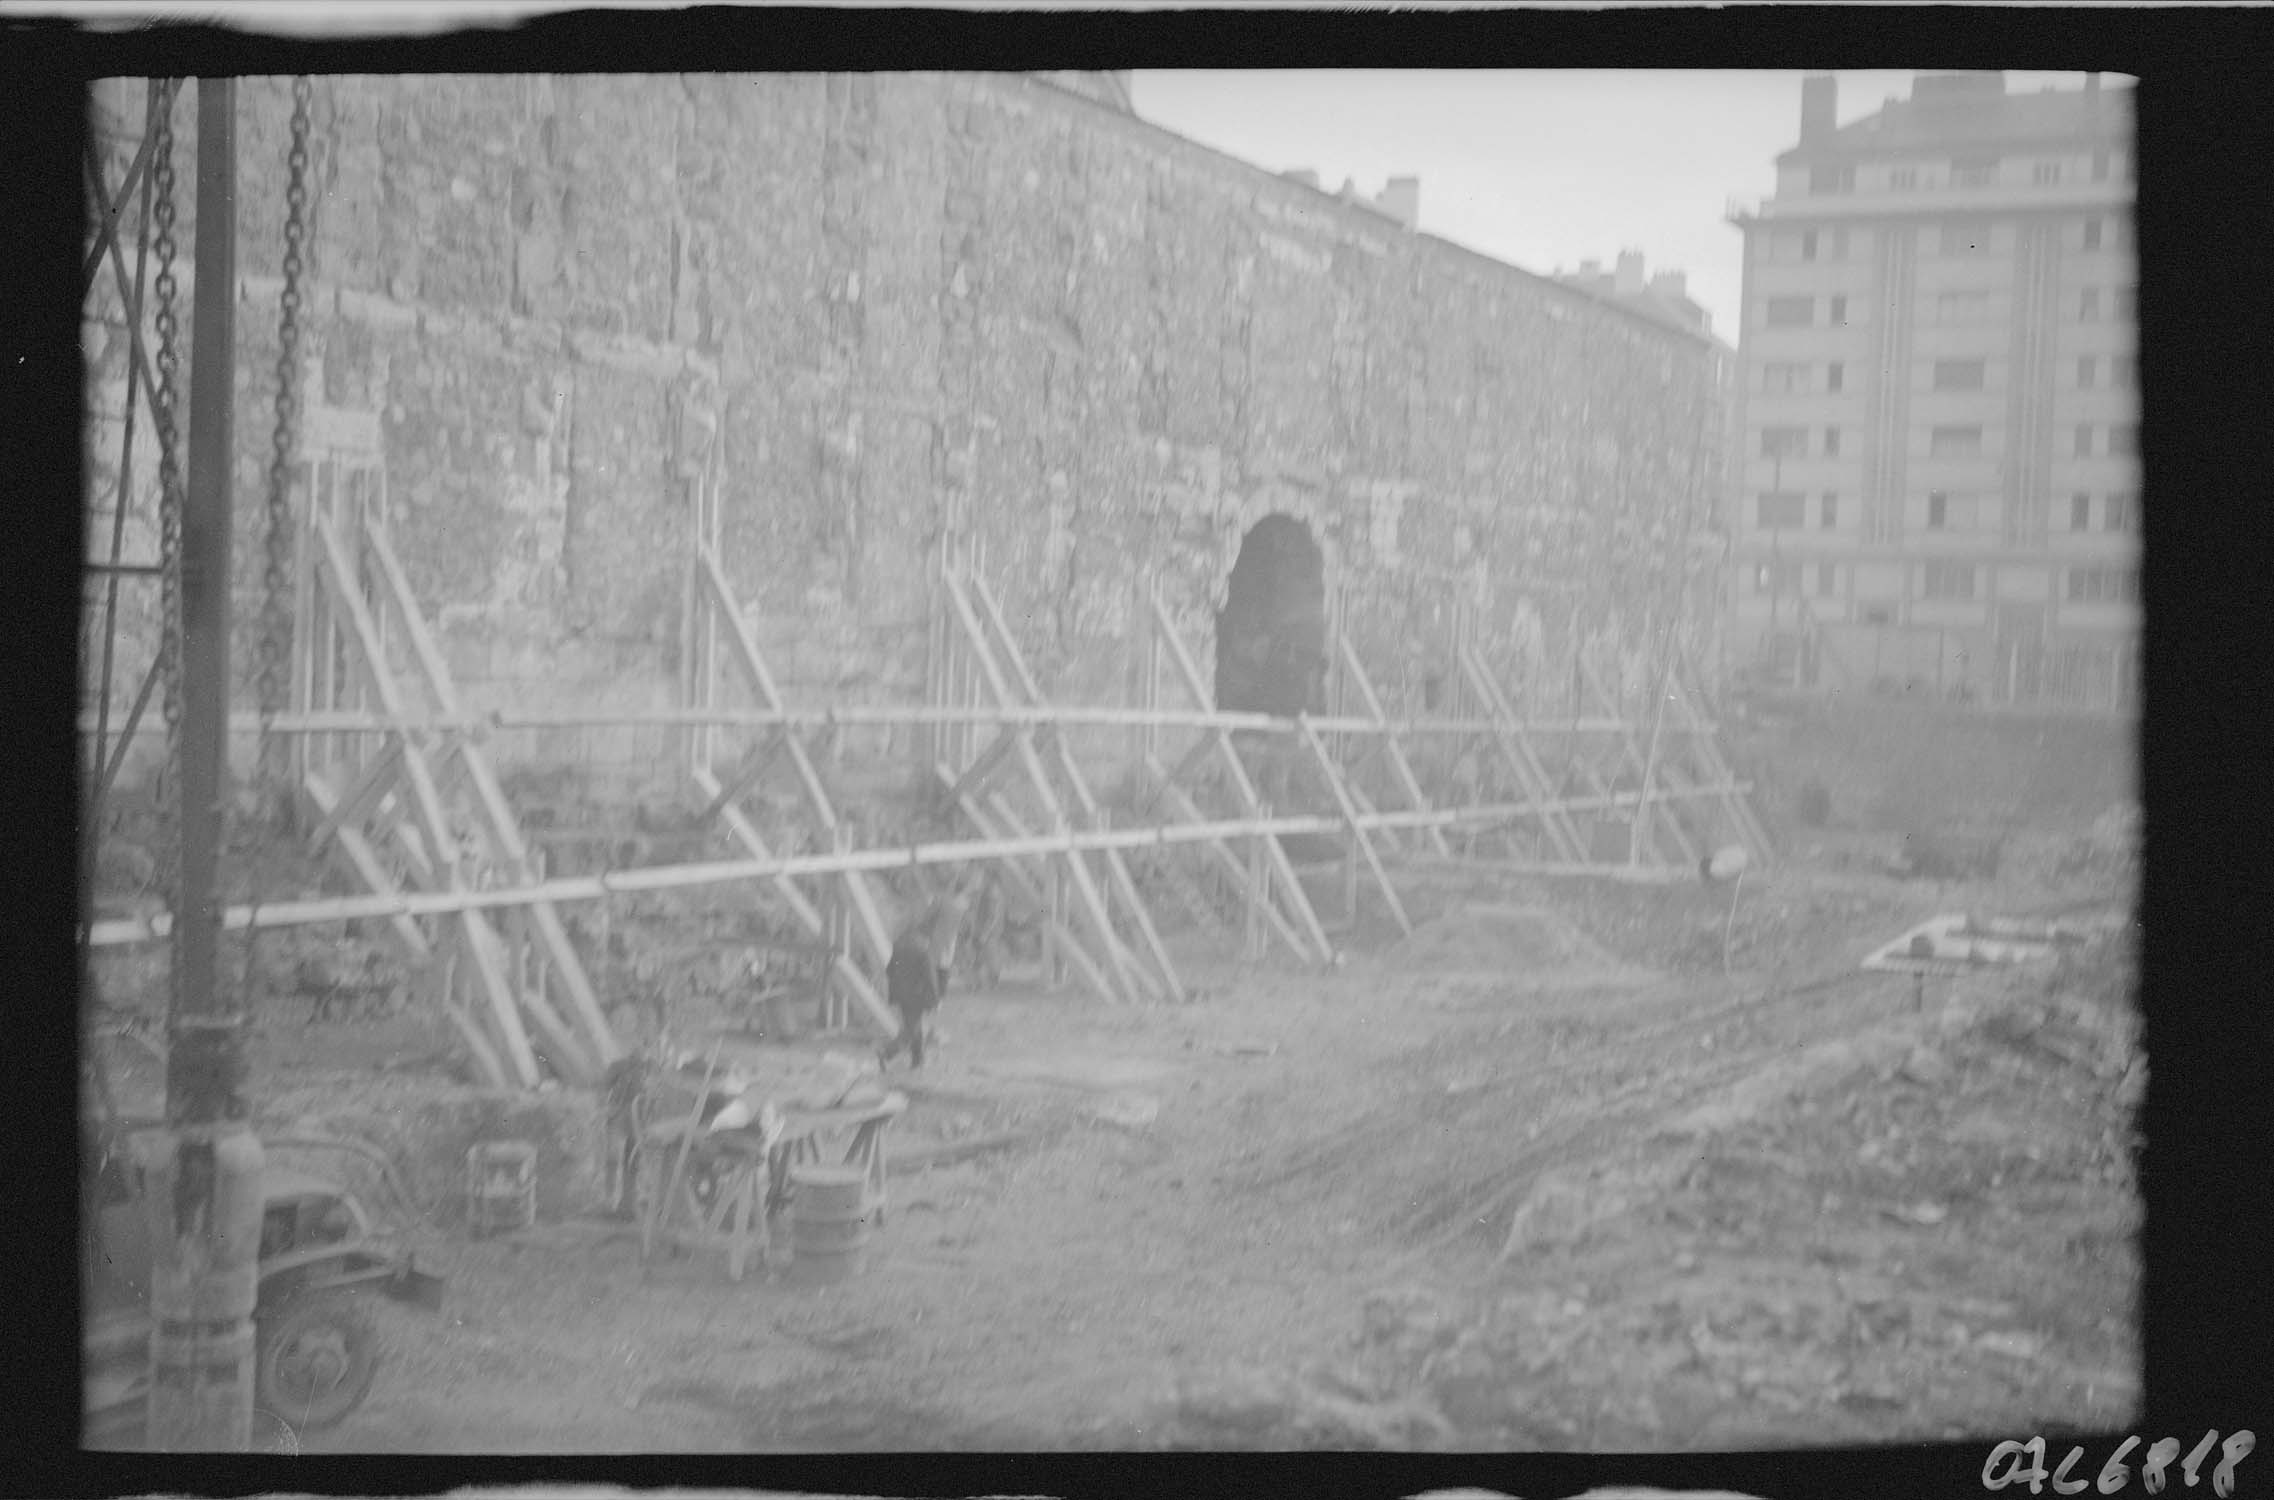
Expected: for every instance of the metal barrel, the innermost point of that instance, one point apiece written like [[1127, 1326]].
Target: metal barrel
[[829, 1223]]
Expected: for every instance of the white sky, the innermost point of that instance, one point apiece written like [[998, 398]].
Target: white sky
[[1543, 169]]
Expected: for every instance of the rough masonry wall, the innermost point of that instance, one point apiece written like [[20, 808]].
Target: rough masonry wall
[[967, 310]]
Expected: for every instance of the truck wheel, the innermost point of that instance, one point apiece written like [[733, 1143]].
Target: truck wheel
[[318, 1355]]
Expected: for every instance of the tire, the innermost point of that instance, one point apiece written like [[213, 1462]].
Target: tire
[[318, 1354]]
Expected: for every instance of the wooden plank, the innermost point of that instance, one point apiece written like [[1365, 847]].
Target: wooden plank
[[1530, 778], [1124, 885], [363, 863], [848, 975], [1242, 787], [754, 768], [870, 921], [1201, 750], [1661, 818], [975, 775], [574, 1065], [1061, 939], [1052, 867], [1717, 768], [370, 791], [1236, 870], [425, 800], [1358, 831], [1400, 767], [489, 796]]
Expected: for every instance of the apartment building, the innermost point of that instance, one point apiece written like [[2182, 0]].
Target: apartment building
[[1938, 478]]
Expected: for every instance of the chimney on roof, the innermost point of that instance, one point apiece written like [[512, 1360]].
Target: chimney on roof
[[1670, 285], [1819, 105], [1629, 282], [1590, 268], [1401, 200]]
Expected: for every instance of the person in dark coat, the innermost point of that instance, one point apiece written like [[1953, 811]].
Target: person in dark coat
[[916, 977]]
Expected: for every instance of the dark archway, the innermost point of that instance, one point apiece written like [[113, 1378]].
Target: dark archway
[[1271, 645]]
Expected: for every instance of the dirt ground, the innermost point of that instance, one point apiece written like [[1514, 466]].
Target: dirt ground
[[1541, 1175]]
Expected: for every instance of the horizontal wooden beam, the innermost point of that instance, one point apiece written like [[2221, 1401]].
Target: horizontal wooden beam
[[125, 931]]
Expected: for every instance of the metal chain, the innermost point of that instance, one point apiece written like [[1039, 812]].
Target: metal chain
[[276, 612], [163, 409]]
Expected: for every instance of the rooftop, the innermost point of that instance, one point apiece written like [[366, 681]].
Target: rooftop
[[1974, 109]]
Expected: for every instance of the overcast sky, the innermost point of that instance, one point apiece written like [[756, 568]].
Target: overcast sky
[[1542, 169]]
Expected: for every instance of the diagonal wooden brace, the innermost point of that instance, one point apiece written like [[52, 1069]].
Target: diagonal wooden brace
[[1358, 831]]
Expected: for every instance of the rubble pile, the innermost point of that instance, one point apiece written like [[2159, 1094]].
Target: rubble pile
[[1903, 1235]]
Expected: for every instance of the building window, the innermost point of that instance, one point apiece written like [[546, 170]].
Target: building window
[[1823, 180], [1940, 580], [2088, 372], [1839, 312], [1961, 238], [2092, 234], [1831, 442], [2088, 304], [1878, 614], [2080, 511], [1783, 377], [2100, 166], [1784, 442], [2045, 171], [1779, 510], [1827, 580], [1938, 510], [2084, 441], [1962, 307], [1959, 374], [1954, 442], [1834, 374], [1808, 245], [1973, 171], [2123, 437], [1776, 578], [1790, 312], [2118, 514], [1829, 515], [2103, 585]]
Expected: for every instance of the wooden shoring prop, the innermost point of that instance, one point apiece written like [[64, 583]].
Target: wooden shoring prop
[[1661, 824], [1235, 868], [1035, 890], [363, 864], [1387, 743], [979, 772], [1358, 834], [755, 765], [760, 680], [1284, 881], [425, 801], [1086, 896], [1006, 649], [842, 968], [504, 833], [1015, 828], [1713, 764], [369, 792], [1507, 735]]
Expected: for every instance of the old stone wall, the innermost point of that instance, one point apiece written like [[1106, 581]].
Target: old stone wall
[[935, 307]]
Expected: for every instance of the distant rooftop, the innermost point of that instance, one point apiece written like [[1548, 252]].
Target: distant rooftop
[[1974, 109]]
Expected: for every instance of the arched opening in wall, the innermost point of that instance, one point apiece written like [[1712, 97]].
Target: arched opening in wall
[[1271, 645]]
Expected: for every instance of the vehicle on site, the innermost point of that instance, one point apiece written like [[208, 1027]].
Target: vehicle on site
[[317, 1347]]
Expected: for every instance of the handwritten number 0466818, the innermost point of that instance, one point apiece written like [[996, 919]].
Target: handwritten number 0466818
[[2018, 1463]]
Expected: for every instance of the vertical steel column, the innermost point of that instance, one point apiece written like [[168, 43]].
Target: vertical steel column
[[205, 1170]]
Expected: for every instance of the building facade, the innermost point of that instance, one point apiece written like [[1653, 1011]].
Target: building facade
[[1938, 480], [986, 316]]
